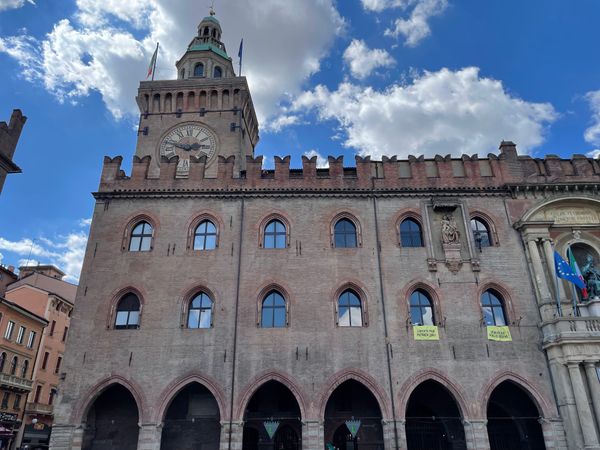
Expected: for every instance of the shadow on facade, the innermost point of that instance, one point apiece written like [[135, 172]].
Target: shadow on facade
[[112, 421], [192, 421], [513, 420], [272, 402], [433, 420], [351, 400]]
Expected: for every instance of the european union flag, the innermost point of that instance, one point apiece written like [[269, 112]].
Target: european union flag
[[564, 271]]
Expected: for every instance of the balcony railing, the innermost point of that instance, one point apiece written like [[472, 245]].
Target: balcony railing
[[14, 382], [39, 408], [572, 328]]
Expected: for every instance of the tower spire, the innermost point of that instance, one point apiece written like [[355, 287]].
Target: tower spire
[[211, 11]]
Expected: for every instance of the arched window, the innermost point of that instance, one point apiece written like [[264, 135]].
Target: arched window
[[200, 311], [493, 308], [349, 309], [421, 308], [199, 70], [205, 236], [344, 234], [410, 233], [275, 235], [13, 365], [481, 233], [2, 361], [128, 312], [24, 370], [141, 238], [273, 311], [218, 72]]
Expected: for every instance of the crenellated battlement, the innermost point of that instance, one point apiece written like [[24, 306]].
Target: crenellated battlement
[[419, 173]]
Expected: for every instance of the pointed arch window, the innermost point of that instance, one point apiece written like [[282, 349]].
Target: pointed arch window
[[481, 232], [128, 312], [141, 238], [421, 308], [344, 234], [200, 312], [492, 305], [275, 235], [218, 72], [411, 234], [13, 365], [350, 312], [199, 70], [24, 370], [273, 311], [205, 236]]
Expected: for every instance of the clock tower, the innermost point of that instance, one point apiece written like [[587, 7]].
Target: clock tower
[[206, 112]]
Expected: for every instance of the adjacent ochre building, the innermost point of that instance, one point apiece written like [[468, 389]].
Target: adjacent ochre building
[[42, 291], [394, 304], [20, 331]]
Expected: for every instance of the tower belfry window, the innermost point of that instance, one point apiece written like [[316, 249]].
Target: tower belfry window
[[199, 70]]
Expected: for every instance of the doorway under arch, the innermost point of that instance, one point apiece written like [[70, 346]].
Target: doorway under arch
[[272, 402], [192, 420], [351, 400], [513, 419], [112, 421], [433, 419]]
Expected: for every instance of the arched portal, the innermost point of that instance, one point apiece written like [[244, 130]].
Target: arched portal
[[112, 421], [272, 420], [192, 420], [513, 420], [352, 401], [433, 420]]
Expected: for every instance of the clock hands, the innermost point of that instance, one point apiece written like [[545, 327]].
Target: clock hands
[[186, 147]]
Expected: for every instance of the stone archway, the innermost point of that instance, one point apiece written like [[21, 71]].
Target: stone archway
[[112, 421], [433, 419], [513, 419], [272, 419], [192, 420], [352, 400]]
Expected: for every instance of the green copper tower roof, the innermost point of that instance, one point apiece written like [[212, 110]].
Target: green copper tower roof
[[208, 47]]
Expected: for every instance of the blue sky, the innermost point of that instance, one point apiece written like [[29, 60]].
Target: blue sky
[[379, 77]]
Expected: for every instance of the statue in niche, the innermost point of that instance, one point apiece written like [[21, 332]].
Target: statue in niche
[[450, 233], [591, 275]]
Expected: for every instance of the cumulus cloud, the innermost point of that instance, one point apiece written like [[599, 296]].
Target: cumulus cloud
[[592, 134], [279, 123], [107, 44], [65, 252], [414, 24], [594, 154], [437, 112], [14, 4], [363, 61], [322, 162]]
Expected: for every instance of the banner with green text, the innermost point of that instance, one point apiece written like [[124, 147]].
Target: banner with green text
[[426, 333], [501, 334]]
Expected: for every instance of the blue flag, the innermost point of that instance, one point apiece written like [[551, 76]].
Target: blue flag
[[241, 48], [564, 271]]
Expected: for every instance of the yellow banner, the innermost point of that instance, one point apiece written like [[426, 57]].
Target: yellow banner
[[501, 334], [426, 333]]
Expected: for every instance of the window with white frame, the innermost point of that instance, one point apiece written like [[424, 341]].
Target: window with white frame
[[9, 329]]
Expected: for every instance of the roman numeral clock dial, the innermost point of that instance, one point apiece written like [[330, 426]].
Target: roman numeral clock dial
[[186, 140]]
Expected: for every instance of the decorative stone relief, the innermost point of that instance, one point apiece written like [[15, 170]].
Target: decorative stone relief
[[451, 243], [568, 215]]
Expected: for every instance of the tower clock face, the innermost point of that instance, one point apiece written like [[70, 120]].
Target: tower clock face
[[189, 139]]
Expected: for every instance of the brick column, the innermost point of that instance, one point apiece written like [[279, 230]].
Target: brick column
[[583, 408], [312, 435], [237, 434], [149, 436], [476, 434]]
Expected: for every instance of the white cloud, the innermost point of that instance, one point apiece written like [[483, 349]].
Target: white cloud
[[437, 112], [416, 27], [592, 134], [65, 252], [14, 4], [322, 162], [363, 60], [594, 154], [380, 5], [279, 123], [107, 44]]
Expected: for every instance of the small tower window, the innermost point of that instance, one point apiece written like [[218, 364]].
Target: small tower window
[[206, 31], [218, 72], [128, 312], [199, 70], [141, 238], [214, 33]]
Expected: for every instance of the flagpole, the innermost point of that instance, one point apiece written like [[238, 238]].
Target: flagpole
[[575, 308], [558, 304], [155, 59]]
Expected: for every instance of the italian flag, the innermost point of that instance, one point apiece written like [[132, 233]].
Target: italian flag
[[152, 65], [575, 268]]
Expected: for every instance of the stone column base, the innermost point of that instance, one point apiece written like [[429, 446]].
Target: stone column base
[[66, 437], [476, 434], [237, 433], [150, 436], [312, 435]]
